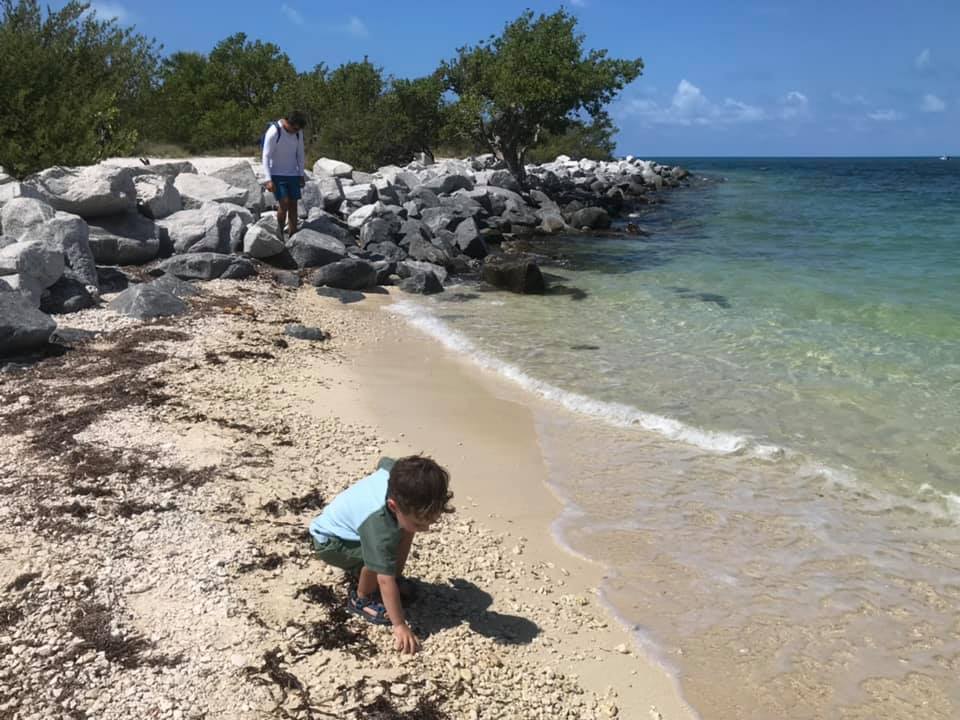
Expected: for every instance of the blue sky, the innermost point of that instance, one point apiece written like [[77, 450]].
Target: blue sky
[[804, 77]]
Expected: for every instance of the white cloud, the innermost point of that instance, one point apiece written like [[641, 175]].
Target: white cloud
[[845, 99], [356, 27], [794, 105], [689, 106], [109, 11], [923, 60], [292, 14], [884, 115], [931, 103]]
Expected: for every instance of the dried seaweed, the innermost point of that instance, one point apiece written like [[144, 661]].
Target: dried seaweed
[[92, 623], [129, 508], [21, 581], [268, 562], [313, 500], [10, 615], [317, 594]]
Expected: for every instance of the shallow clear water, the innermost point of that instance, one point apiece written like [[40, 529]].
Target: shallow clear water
[[760, 434]]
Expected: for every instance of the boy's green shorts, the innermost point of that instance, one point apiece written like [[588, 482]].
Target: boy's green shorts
[[343, 554]]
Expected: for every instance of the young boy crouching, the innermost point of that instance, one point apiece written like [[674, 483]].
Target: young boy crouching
[[370, 527]]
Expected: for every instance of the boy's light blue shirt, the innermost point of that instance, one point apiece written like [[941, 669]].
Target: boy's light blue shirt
[[343, 517]]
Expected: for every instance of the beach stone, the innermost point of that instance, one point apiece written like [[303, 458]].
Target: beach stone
[[420, 249], [331, 192], [208, 266], [70, 235], [344, 296], [447, 184], [335, 168], [346, 274], [112, 279], [310, 248], [427, 198], [286, 278], [408, 268], [551, 222], [515, 273], [327, 224], [468, 239], [22, 214], [439, 218], [90, 191], [204, 229], [197, 190], [260, 242], [362, 194], [593, 218], [241, 175], [35, 266], [305, 332], [375, 230], [147, 301], [66, 295], [504, 179], [422, 283], [387, 251], [22, 326], [157, 196], [126, 239], [175, 286]]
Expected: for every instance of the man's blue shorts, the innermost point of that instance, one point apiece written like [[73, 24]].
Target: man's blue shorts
[[286, 186]]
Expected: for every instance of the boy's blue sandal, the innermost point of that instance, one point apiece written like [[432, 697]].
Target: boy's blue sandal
[[367, 608]]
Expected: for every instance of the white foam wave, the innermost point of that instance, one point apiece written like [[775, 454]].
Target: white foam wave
[[617, 414]]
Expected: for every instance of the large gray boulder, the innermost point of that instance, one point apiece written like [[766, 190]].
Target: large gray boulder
[[331, 192], [145, 301], [167, 169], [22, 214], [361, 194], [197, 190], [327, 224], [468, 239], [260, 242], [504, 179], [214, 227], [241, 175], [89, 192], [22, 326], [126, 239], [66, 295], [33, 267], [420, 249], [409, 268], [440, 218], [175, 286], [346, 274], [70, 235], [208, 266], [310, 248], [374, 231], [157, 196], [515, 273], [334, 168], [592, 218], [424, 283], [386, 250], [447, 184]]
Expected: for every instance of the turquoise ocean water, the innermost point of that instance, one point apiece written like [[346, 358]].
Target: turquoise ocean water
[[754, 417]]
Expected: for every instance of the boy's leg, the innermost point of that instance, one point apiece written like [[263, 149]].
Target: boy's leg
[[291, 216], [367, 585], [281, 213]]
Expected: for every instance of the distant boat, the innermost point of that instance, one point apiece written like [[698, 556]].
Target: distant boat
[[944, 157]]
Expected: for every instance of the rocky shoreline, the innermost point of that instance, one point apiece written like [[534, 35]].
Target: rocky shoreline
[[65, 232], [157, 480]]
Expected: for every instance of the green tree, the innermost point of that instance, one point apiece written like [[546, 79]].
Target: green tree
[[580, 140], [533, 78], [351, 126], [74, 86], [179, 102], [418, 114], [243, 88]]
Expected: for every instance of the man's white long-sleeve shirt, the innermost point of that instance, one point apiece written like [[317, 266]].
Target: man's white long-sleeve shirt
[[282, 152]]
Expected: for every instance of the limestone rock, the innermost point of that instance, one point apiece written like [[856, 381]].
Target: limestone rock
[[260, 242], [126, 239], [147, 301], [312, 249], [346, 274], [207, 266], [241, 175], [91, 191], [157, 196], [23, 214], [196, 190], [335, 168], [515, 273], [70, 235], [22, 326], [424, 283]]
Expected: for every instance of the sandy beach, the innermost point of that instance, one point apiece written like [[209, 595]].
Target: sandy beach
[[157, 481]]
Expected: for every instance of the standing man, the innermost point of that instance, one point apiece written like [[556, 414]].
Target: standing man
[[283, 164]]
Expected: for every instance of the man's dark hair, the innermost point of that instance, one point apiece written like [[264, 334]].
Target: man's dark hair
[[296, 117], [419, 486]]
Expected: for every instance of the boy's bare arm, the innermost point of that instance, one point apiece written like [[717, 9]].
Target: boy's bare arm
[[403, 550], [404, 639]]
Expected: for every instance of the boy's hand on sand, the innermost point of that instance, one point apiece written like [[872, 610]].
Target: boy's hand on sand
[[404, 640]]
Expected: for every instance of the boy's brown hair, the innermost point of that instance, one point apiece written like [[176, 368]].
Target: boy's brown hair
[[420, 487]]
